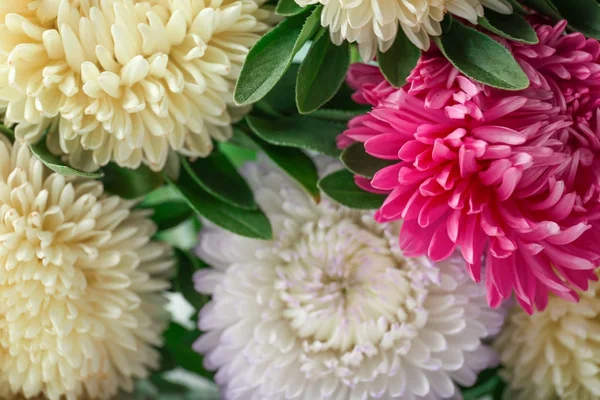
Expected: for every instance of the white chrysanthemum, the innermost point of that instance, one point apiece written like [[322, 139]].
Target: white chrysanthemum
[[373, 23], [124, 80], [554, 354], [80, 285], [330, 309]]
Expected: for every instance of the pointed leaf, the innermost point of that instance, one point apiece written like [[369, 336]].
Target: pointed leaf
[[178, 342], [294, 162], [513, 27], [249, 223], [481, 58], [301, 132], [55, 163], [583, 15], [268, 59], [169, 214], [358, 161], [321, 73], [397, 63], [130, 183], [340, 187], [217, 175], [184, 282], [288, 8]]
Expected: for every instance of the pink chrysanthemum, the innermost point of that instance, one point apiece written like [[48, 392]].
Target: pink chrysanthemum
[[512, 178]]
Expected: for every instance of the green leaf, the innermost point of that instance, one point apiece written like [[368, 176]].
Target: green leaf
[[281, 100], [164, 386], [489, 384], [268, 59], [288, 8], [583, 15], [397, 63], [249, 223], [178, 342], [321, 73], [340, 187], [294, 162], [236, 154], [517, 7], [184, 282], [358, 161], [481, 58], [298, 131], [545, 7], [130, 183], [217, 175], [332, 115], [55, 164], [513, 27], [169, 214]]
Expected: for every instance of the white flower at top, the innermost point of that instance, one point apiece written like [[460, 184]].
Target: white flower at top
[[373, 24], [330, 309], [124, 80], [81, 309], [554, 354]]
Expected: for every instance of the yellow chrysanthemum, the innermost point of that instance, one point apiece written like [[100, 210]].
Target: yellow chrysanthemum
[[124, 80], [81, 308], [554, 354]]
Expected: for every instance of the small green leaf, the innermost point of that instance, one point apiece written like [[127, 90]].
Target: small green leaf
[[236, 154], [294, 162], [217, 175], [281, 100], [288, 8], [397, 63], [517, 8], [583, 15], [340, 187], [169, 214], [249, 223], [481, 58], [130, 183], [298, 131], [545, 7], [358, 161], [513, 27], [268, 59], [178, 342], [184, 282], [333, 115], [55, 164], [489, 384], [321, 73]]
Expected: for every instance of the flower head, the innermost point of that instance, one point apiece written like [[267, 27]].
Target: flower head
[[80, 282], [331, 309], [512, 176], [555, 353], [124, 80], [374, 24]]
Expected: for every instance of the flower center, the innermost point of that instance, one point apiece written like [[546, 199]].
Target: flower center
[[342, 286]]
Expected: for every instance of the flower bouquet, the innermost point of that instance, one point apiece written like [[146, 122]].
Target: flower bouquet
[[300, 199]]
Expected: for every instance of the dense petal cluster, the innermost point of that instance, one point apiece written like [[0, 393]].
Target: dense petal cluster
[[124, 80], [555, 353], [514, 177], [331, 309], [80, 285], [373, 24]]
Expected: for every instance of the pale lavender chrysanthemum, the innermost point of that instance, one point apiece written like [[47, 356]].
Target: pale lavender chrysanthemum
[[331, 309]]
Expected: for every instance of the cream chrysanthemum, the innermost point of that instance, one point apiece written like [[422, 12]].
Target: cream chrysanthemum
[[124, 80], [330, 309], [374, 23], [81, 307], [554, 354]]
